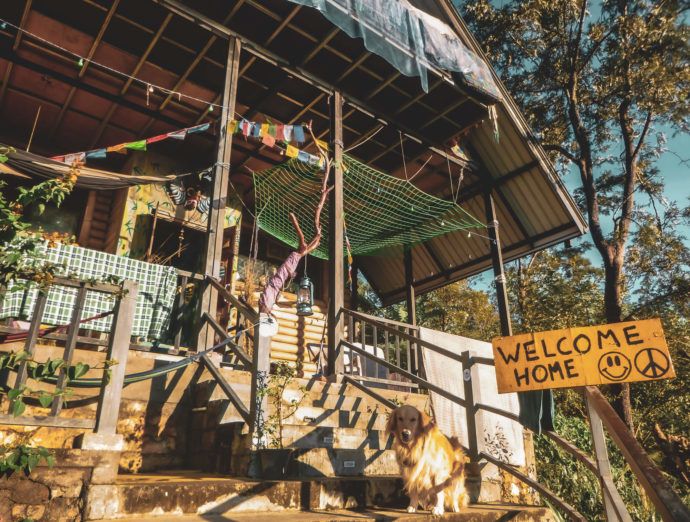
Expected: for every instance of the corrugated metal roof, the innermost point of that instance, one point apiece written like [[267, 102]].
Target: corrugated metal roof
[[534, 209]]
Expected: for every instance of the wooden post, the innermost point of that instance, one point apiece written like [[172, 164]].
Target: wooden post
[[667, 502], [70, 345], [472, 437], [118, 348], [497, 260], [335, 238], [613, 503], [219, 193], [409, 288]]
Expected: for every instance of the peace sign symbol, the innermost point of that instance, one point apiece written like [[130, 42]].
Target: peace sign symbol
[[652, 363]]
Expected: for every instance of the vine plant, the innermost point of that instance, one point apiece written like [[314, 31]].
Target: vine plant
[[278, 382]]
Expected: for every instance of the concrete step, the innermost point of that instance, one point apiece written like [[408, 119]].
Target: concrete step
[[168, 496], [301, 436], [335, 462], [323, 395], [314, 416], [474, 513]]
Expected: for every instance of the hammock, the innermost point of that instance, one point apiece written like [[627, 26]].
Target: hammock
[[96, 382], [42, 332]]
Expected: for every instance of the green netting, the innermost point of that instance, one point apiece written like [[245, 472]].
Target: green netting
[[381, 211]]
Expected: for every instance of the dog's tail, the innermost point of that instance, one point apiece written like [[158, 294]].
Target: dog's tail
[[459, 458]]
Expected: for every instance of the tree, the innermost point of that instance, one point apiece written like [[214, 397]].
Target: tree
[[459, 309], [596, 79]]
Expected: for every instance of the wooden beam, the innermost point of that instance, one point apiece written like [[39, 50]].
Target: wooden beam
[[219, 29], [15, 46], [219, 194], [335, 239], [668, 504], [22, 23], [193, 65], [87, 61], [142, 60]]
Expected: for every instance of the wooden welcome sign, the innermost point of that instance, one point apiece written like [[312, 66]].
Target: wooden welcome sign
[[606, 354]]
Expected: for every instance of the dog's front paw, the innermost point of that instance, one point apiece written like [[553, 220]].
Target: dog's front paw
[[437, 511], [411, 509]]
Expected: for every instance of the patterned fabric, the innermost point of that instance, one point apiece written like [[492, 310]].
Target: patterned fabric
[[156, 291]]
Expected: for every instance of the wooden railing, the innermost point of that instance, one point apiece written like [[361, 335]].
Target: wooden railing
[[601, 415], [124, 304]]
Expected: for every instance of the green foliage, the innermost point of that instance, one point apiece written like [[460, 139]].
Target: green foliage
[[459, 309], [19, 258], [283, 374], [23, 458], [43, 371]]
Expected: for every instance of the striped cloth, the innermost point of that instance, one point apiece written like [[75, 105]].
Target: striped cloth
[[156, 291]]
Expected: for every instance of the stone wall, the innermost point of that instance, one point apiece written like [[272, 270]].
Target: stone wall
[[56, 494], [154, 414]]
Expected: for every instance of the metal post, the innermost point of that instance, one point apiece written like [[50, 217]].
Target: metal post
[[335, 238], [118, 348], [497, 261], [219, 193]]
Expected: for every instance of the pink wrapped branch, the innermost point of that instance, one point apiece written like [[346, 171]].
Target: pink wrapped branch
[[288, 268]]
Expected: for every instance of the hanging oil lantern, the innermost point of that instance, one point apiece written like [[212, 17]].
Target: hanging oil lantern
[[305, 296]]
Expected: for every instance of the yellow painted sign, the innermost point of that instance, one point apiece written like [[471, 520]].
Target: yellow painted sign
[[605, 354]]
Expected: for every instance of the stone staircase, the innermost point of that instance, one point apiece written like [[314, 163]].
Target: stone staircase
[[335, 464], [337, 431]]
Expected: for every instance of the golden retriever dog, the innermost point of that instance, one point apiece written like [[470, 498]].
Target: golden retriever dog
[[433, 467]]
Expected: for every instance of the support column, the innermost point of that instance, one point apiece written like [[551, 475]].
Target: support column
[[219, 193], [335, 238], [497, 260], [409, 288]]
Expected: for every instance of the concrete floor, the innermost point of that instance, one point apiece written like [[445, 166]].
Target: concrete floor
[[485, 513]]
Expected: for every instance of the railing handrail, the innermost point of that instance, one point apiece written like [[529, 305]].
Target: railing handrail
[[409, 375], [573, 513], [384, 320], [246, 310], [408, 337], [664, 498]]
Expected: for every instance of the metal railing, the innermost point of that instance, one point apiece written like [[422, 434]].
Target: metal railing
[[601, 415], [124, 303]]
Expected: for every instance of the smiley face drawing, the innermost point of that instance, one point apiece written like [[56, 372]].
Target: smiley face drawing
[[614, 366]]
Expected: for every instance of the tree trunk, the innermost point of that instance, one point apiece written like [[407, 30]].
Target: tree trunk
[[613, 309]]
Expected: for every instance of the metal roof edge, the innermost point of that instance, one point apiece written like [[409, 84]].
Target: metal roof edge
[[517, 119]]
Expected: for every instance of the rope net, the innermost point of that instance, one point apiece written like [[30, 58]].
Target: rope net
[[381, 211]]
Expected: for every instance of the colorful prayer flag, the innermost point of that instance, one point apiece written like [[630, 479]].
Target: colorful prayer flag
[[136, 145], [71, 159], [287, 132], [322, 144], [156, 139], [264, 129], [256, 130], [199, 128], [280, 132], [178, 135], [303, 156], [232, 127], [268, 140], [272, 129], [117, 148], [291, 151], [96, 154], [298, 132]]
